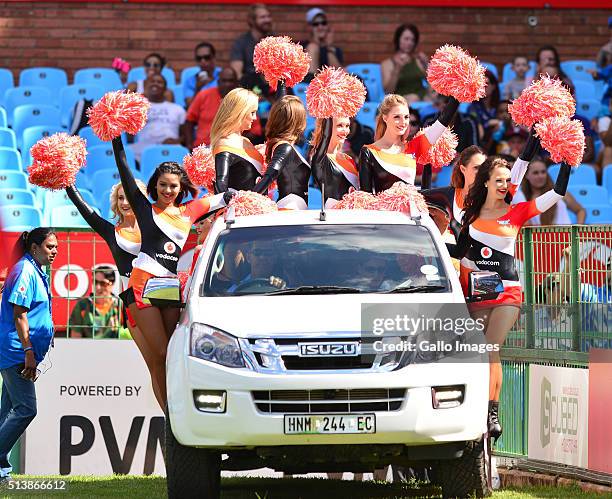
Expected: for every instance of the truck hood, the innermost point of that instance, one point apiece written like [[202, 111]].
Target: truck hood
[[256, 316]]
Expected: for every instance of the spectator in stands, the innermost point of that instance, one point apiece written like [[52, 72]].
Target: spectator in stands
[[204, 107], [514, 87], [205, 56], [547, 58], [403, 73], [604, 74], [494, 143], [321, 46], [98, 315], [537, 181], [414, 124], [604, 56], [359, 135], [259, 20], [153, 64], [165, 122], [605, 134], [485, 109], [464, 125], [514, 141]]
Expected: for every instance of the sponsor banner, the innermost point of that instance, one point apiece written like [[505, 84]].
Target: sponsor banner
[[96, 412], [600, 402], [558, 415]]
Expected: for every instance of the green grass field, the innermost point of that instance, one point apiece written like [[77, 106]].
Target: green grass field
[[134, 487]]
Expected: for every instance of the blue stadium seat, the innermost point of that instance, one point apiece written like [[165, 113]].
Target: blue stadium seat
[[53, 199], [588, 108], [103, 180], [577, 70], [372, 78], [6, 82], [13, 179], [508, 73], [367, 114], [71, 94], [11, 197], [444, 177], [154, 155], [188, 73], [82, 180], [52, 78], [33, 134], [90, 137], [7, 138], [104, 204], [589, 195], [102, 157], [179, 94], [491, 67], [67, 216], [314, 198], [20, 96], [18, 218], [3, 118], [106, 78], [10, 160], [601, 214], [607, 179], [585, 91], [33, 115], [138, 73], [300, 91], [583, 175]]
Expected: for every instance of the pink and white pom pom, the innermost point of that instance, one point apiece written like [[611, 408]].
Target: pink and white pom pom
[[442, 152], [357, 200], [562, 138], [118, 112], [250, 203], [280, 59], [200, 168], [402, 197], [57, 160], [452, 71], [334, 93], [543, 99]]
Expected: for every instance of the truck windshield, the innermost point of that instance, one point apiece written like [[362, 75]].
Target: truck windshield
[[316, 259]]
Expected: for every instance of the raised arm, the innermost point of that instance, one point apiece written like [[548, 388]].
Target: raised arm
[[134, 195], [550, 198], [320, 151], [277, 162], [222, 166], [519, 168], [435, 131], [365, 170], [460, 249], [95, 221], [426, 177]]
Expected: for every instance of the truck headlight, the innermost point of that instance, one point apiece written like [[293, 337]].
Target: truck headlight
[[216, 346]]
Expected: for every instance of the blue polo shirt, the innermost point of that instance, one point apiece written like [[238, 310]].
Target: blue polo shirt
[[189, 87], [26, 285]]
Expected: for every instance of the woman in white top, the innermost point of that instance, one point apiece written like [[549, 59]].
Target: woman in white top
[[537, 181]]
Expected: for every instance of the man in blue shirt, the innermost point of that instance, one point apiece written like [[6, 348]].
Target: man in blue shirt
[[208, 74], [26, 332]]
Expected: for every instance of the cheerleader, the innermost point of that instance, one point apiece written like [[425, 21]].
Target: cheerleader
[[390, 159], [486, 242], [330, 166], [165, 226], [286, 165], [238, 164]]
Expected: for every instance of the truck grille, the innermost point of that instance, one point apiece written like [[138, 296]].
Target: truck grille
[[329, 400]]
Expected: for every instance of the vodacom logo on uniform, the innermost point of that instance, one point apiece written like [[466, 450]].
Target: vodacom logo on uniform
[[169, 247], [486, 252]]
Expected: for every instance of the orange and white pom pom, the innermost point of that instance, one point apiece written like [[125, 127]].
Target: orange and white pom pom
[[562, 138], [357, 200], [545, 98], [200, 168], [280, 59], [402, 197], [333, 93], [57, 160], [118, 112], [247, 203], [442, 152], [452, 71]]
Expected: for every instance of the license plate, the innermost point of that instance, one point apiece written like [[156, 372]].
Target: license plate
[[323, 424]]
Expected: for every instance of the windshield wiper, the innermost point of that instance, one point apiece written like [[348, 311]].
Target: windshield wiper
[[417, 289], [306, 290]]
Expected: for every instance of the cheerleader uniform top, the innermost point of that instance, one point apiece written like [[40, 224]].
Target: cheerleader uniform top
[[291, 172], [165, 233], [237, 168]]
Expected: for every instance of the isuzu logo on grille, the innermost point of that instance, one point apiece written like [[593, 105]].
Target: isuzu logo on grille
[[329, 349]]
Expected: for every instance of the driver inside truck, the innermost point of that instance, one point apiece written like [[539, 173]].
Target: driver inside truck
[[262, 260]]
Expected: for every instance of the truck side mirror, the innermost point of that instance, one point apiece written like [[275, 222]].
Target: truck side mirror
[[484, 285], [163, 292]]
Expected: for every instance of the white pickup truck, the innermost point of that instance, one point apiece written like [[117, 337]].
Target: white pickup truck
[[277, 361]]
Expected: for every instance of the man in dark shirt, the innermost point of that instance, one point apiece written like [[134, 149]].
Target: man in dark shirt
[[463, 125]]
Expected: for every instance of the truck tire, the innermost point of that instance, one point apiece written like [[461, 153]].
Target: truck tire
[[465, 476], [191, 472]]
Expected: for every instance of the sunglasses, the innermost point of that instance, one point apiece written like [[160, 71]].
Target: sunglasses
[[319, 23], [206, 57], [152, 65]]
